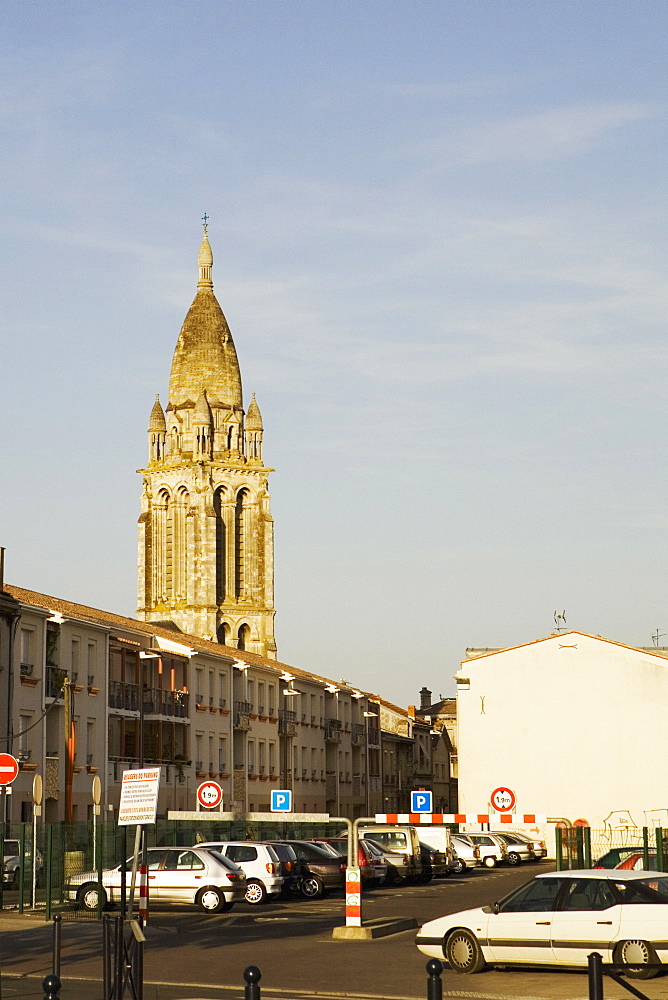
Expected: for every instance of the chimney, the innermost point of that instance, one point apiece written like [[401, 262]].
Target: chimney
[[425, 698]]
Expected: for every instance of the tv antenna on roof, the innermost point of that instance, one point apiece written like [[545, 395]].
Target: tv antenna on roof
[[656, 636], [560, 621]]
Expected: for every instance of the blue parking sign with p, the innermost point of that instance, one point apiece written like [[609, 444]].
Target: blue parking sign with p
[[421, 802], [281, 800]]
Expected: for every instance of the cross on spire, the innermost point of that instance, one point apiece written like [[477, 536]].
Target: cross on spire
[[205, 219]]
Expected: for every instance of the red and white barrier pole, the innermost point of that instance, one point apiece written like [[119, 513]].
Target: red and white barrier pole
[[353, 897]]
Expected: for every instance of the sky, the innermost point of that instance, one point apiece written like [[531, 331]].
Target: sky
[[439, 237]]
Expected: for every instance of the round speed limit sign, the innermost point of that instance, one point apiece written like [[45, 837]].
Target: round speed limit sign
[[209, 794], [503, 800]]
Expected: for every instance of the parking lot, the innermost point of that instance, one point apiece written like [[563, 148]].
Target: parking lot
[[190, 954]]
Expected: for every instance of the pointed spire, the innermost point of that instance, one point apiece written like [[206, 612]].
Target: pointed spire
[[205, 258], [202, 413], [156, 422], [254, 417], [205, 357]]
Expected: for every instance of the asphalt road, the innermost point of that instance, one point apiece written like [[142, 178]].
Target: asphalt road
[[195, 956]]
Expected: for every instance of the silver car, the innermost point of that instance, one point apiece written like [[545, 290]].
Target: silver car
[[467, 854], [175, 875]]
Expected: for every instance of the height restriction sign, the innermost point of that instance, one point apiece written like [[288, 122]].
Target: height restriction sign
[[503, 799], [209, 794]]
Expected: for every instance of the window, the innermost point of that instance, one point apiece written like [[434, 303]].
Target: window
[[241, 852], [539, 896], [27, 647], [182, 861], [588, 894]]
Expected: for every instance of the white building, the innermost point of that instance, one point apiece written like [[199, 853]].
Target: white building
[[573, 724]]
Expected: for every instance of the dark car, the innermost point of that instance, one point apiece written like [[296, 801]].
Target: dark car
[[290, 865], [364, 857], [320, 870], [434, 863], [615, 855]]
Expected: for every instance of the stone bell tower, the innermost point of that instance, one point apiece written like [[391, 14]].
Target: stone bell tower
[[206, 534]]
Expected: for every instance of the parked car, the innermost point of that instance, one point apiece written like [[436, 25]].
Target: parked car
[[320, 870], [260, 862], [398, 866], [559, 918], [636, 862], [434, 863], [401, 840], [364, 857], [612, 857], [380, 865], [11, 867], [493, 850], [539, 847], [175, 874], [290, 865], [517, 850], [467, 854]]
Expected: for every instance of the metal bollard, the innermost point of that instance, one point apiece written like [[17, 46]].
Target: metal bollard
[[51, 986], [57, 929], [434, 984], [252, 975], [595, 976]]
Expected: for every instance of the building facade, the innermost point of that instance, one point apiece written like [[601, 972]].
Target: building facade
[[565, 722], [206, 542]]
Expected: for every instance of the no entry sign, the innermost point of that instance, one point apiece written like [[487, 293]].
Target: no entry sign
[[9, 768], [209, 794]]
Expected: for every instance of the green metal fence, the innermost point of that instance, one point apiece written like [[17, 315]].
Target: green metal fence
[[581, 847], [48, 854]]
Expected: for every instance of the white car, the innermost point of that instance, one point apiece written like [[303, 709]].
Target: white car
[[559, 918], [493, 850], [175, 875], [260, 862]]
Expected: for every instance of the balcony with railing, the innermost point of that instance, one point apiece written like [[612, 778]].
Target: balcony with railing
[[124, 697], [242, 711], [287, 722], [333, 730], [358, 734], [373, 735]]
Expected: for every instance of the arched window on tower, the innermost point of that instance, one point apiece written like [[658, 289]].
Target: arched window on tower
[[180, 544], [241, 541], [221, 543], [244, 636], [224, 631]]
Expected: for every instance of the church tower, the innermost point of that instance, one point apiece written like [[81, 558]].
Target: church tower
[[206, 534]]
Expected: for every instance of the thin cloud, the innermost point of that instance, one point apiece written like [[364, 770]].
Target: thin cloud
[[553, 134]]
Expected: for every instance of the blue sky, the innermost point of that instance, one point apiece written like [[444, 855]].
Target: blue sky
[[439, 233]]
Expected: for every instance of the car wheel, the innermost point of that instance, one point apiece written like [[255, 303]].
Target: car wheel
[[459, 867], [312, 887], [91, 896], [513, 858], [255, 892], [630, 952], [463, 952], [211, 899], [489, 861], [425, 878]]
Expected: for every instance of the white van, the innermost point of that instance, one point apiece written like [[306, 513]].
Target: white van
[[402, 840]]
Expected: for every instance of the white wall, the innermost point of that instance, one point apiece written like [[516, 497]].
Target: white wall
[[576, 726]]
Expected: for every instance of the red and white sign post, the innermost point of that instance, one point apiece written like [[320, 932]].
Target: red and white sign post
[[209, 795], [9, 768], [353, 897]]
